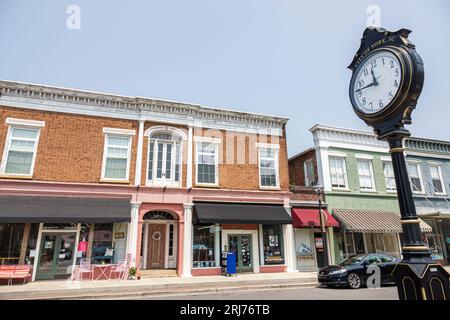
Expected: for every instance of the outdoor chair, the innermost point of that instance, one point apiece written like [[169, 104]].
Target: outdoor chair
[[120, 269], [83, 268]]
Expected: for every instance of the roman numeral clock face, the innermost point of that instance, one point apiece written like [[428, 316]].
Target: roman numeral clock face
[[376, 82]]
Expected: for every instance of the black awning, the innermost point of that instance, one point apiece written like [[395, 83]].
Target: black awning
[[36, 209], [214, 212]]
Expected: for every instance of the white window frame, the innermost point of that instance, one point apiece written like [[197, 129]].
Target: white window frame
[[275, 148], [419, 172], [372, 175], [343, 157], [20, 124], [441, 178], [111, 132], [305, 171], [151, 181], [211, 141], [388, 161]]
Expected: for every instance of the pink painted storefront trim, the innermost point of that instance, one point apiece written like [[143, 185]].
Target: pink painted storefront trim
[[206, 271]]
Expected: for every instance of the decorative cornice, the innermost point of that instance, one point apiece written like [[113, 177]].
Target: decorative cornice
[[135, 107], [427, 146]]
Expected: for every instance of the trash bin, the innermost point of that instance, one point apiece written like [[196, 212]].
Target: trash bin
[[231, 264]]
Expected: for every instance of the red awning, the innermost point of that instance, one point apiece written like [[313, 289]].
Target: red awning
[[302, 218]]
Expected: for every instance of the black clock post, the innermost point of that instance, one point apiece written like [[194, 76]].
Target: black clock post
[[417, 276]]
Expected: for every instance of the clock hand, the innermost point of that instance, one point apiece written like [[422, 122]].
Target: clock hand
[[374, 83], [373, 77]]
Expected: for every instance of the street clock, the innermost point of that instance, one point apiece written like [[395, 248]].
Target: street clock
[[387, 79]]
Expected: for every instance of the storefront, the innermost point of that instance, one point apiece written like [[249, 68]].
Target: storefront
[[54, 233], [309, 243], [364, 231], [439, 239], [257, 233]]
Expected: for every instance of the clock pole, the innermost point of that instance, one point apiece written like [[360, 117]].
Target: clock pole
[[417, 276]]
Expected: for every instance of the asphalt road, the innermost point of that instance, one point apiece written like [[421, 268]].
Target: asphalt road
[[319, 293]]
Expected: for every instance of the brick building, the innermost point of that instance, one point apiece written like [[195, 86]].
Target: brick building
[[99, 177]]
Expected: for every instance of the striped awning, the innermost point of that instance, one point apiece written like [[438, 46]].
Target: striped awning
[[372, 221]]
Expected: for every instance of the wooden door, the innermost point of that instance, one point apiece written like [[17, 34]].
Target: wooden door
[[156, 246]]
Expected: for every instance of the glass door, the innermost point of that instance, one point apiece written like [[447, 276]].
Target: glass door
[[164, 163], [56, 256], [241, 245]]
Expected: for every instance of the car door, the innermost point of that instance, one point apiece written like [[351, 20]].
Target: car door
[[386, 267], [371, 260]]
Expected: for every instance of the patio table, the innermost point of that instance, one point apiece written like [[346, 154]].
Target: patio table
[[104, 271]]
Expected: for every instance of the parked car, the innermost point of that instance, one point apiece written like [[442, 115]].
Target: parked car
[[352, 272]]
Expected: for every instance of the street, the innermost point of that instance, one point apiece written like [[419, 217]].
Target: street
[[319, 293]]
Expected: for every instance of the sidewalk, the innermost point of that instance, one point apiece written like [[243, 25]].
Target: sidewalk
[[113, 289]]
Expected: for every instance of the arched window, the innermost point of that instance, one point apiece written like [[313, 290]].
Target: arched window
[[164, 159], [158, 215]]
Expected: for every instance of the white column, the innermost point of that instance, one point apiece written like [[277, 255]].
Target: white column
[[217, 244], [132, 236], [38, 251], [289, 245], [137, 174], [189, 158], [187, 243], [323, 167], [331, 256]]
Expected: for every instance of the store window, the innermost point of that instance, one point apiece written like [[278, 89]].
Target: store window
[[20, 151], [365, 174], [389, 176], [436, 179], [102, 243], [116, 157], [207, 163], [268, 167], [308, 168], [273, 244], [415, 177], [338, 172], [203, 246], [10, 243]]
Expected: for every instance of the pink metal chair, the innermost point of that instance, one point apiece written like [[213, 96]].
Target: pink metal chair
[[120, 269], [83, 268]]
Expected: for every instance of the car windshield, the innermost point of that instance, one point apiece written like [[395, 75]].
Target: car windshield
[[352, 260]]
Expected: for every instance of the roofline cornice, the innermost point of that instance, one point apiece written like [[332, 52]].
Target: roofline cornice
[[41, 93]]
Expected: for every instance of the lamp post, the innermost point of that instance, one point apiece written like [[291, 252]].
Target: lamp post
[[322, 226]]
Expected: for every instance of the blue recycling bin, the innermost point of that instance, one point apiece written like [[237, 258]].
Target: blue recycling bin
[[231, 263]]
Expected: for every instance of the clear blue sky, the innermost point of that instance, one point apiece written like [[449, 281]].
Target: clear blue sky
[[280, 57]]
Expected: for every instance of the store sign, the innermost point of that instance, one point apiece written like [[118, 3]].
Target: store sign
[[319, 242]]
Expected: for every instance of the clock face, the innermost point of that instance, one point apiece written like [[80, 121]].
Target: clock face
[[376, 82]]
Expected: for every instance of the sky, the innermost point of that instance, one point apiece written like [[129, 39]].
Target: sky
[[281, 57]]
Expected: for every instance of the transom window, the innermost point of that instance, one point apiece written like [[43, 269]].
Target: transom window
[[20, 151], [436, 179], [164, 159], [268, 167], [389, 176], [415, 177], [117, 157], [338, 172], [207, 163], [158, 215], [365, 174]]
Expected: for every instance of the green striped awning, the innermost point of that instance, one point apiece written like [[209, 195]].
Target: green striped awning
[[372, 221]]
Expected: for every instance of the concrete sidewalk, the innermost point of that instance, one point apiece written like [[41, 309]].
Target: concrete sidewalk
[[113, 289]]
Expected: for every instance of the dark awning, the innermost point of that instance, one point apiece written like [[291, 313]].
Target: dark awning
[[36, 209], [240, 213]]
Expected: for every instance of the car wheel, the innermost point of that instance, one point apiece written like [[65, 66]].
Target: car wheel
[[354, 281]]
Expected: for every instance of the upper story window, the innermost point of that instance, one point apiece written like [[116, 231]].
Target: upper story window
[[415, 177], [436, 179], [21, 147], [117, 154], [308, 169], [365, 175], [164, 159], [268, 167], [389, 176], [338, 172], [207, 163]]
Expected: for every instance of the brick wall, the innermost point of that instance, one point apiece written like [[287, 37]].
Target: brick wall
[[296, 168], [71, 150], [70, 146]]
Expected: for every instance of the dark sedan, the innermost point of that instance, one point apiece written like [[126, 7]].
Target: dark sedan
[[352, 272]]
